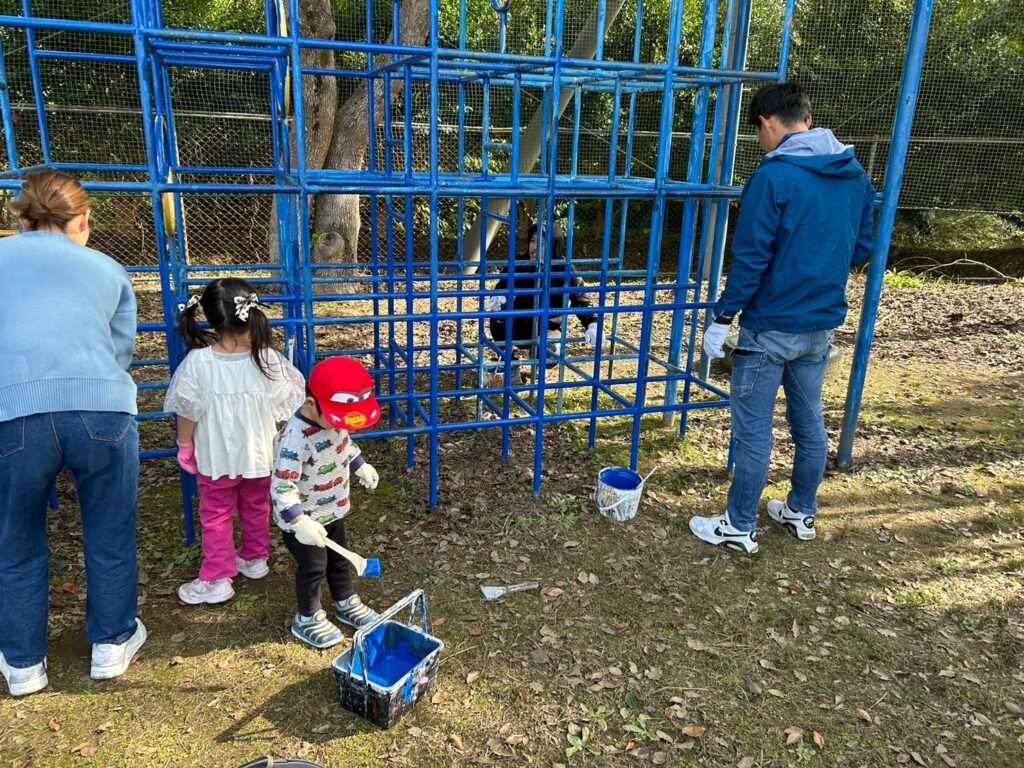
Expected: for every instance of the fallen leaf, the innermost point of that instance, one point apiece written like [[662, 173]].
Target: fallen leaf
[[499, 749], [177, 660], [819, 740], [414, 731], [437, 622], [456, 741], [982, 720], [696, 731], [697, 645], [177, 637], [439, 698], [918, 759], [85, 749], [475, 631], [793, 735], [471, 677], [516, 740], [54, 726], [862, 714], [105, 726], [746, 762], [537, 687], [322, 728], [554, 592], [659, 758], [68, 589], [765, 664], [237, 715]]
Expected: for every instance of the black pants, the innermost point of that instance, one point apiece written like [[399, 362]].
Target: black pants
[[317, 563], [521, 336]]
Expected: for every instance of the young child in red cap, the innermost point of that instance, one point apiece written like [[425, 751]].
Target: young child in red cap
[[310, 492]]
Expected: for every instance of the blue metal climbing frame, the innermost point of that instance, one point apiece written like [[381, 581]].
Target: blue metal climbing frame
[[419, 324]]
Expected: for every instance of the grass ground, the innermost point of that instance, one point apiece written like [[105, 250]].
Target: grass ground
[[897, 637]]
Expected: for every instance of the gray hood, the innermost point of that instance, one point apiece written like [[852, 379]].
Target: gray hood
[[817, 141]]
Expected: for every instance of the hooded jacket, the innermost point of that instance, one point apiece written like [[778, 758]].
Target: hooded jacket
[[806, 218]]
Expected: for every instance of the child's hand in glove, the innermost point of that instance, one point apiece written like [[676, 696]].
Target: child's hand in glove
[[309, 532], [368, 476], [187, 458]]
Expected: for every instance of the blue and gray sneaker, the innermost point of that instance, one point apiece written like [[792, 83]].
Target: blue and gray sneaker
[[354, 612], [316, 630]]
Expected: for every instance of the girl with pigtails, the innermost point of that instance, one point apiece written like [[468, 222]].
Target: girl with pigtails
[[228, 393]]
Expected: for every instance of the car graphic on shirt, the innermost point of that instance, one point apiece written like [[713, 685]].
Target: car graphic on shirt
[[326, 500], [286, 454], [323, 445], [310, 431], [284, 489], [343, 447], [326, 469], [286, 474]]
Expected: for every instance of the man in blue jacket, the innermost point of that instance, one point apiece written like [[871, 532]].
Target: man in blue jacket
[[806, 218]]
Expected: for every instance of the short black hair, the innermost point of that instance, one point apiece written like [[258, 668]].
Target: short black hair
[[786, 101]]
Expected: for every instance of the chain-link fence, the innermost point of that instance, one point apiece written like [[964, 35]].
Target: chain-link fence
[[967, 151]]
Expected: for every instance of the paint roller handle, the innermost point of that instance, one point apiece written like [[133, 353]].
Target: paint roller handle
[[363, 566]]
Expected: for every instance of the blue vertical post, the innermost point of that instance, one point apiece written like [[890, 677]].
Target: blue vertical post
[[434, 160], [688, 230], [731, 130], [901, 131], [657, 222], [8, 117], [37, 85], [142, 19]]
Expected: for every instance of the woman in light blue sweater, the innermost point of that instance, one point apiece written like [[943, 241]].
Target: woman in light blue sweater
[[67, 315]]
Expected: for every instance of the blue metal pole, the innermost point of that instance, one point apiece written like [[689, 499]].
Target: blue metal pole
[[688, 231], [901, 133], [657, 225], [8, 117], [434, 308], [732, 119]]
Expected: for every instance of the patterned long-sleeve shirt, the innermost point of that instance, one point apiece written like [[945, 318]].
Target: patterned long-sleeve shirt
[[311, 472]]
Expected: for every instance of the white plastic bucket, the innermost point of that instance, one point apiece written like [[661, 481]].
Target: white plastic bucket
[[618, 493]]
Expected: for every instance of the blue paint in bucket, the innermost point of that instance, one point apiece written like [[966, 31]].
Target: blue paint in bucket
[[618, 493], [620, 478]]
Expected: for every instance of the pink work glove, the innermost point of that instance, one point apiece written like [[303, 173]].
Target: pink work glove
[[187, 458]]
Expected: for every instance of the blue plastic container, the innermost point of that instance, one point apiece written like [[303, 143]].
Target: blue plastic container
[[390, 666]]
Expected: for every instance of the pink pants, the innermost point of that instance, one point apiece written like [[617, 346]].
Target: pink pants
[[218, 500]]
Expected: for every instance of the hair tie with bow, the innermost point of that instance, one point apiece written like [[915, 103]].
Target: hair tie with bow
[[187, 305], [243, 304]]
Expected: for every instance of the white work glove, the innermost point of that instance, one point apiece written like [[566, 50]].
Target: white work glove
[[591, 334], [494, 303], [309, 532], [714, 339], [368, 476]]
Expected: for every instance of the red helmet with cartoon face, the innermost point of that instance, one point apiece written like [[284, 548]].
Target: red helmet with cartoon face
[[343, 388]]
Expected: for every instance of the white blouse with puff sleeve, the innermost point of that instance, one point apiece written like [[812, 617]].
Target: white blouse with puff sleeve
[[235, 407]]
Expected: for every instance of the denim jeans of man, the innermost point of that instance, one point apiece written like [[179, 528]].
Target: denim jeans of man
[[102, 451], [762, 361]]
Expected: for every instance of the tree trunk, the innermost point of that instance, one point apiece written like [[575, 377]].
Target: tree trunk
[[319, 97], [530, 142], [337, 216]]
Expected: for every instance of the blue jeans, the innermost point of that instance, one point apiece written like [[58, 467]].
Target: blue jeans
[[102, 451], [761, 362]]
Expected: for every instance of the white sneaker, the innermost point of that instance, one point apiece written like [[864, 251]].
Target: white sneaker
[[109, 660], [199, 591], [801, 526], [24, 680], [252, 569], [719, 531]]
